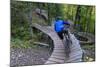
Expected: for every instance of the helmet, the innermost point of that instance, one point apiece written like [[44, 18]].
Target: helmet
[[58, 18]]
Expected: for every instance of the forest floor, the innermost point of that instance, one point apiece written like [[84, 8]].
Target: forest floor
[[29, 56]]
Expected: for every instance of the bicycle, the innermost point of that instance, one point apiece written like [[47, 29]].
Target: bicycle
[[67, 41]]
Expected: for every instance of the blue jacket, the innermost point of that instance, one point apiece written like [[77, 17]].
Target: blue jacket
[[59, 25]]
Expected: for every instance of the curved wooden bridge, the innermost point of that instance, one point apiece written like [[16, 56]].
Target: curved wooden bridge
[[59, 54]]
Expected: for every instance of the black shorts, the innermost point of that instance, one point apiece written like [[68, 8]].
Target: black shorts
[[60, 34]]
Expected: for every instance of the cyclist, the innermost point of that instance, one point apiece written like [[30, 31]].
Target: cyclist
[[61, 26]]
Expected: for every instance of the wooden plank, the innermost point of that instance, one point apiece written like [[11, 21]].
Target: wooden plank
[[59, 46], [75, 53], [50, 62], [58, 54], [75, 49], [74, 60], [57, 60], [58, 57], [59, 51]]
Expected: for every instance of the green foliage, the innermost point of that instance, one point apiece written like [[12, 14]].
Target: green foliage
[[18, 43]]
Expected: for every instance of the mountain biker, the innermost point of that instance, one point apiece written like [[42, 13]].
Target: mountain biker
[[60, 25]]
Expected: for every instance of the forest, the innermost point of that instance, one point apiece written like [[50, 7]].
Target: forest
[[82, 16]]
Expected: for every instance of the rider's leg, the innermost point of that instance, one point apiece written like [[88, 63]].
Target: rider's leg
[[60, 34], [65, 33]]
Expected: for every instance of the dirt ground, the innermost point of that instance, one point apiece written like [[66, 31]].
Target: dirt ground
[[28, 57]]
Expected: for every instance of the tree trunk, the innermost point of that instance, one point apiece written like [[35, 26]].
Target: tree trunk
[[77, 16]]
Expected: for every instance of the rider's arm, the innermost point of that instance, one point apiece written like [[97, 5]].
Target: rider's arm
[[66, 22]]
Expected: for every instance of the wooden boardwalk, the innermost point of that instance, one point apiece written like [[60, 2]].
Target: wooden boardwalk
[[59, 54]]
